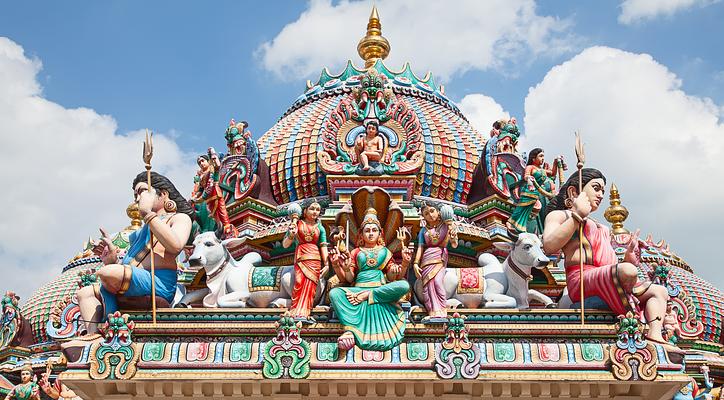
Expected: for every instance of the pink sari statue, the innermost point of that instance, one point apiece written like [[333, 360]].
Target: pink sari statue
[[431, 260]]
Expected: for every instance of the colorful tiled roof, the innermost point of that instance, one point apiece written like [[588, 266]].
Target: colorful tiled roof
[[452, 146], [38, 307], [708, 300]]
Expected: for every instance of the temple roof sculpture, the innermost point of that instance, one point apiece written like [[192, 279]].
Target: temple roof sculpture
[[370, 242]]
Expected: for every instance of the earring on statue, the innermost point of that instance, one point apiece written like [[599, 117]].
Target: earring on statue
[[169, 206], [568, 203]]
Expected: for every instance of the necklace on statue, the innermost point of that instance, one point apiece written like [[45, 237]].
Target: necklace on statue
[[434, 234], [371, 257], [307, 232]]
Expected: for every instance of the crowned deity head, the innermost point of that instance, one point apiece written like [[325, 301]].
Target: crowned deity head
[[370, 233], [236, 137]]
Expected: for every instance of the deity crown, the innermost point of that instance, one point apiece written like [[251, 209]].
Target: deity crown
[[371, 218], [235, 131]]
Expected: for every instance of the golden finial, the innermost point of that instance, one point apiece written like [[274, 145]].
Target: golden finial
[[616, 213], [373, 46], [134, 215]]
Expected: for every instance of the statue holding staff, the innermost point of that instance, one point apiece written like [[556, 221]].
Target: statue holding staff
[[602, 275], [167, 216]]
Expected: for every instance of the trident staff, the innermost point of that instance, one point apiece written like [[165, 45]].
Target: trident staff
[[147, 155], [581, 156]]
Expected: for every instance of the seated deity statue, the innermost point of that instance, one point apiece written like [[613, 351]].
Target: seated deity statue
[[369, 310], [167, 217], [369, 147], [616, 283]]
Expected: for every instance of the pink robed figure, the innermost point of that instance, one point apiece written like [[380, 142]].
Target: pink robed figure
[[431, 259]]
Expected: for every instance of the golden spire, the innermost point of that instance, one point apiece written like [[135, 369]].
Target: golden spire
[[616, 213], [373, 46], [134, 215]]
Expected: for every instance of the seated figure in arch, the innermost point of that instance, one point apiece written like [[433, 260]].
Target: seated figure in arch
[[167, 215], [370, 146], [369, 310], [616, 283]]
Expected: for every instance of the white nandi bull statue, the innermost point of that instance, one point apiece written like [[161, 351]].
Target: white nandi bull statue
[[242, 283], [501, 285]]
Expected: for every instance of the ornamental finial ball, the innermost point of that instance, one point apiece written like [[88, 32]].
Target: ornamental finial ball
[[616, 214], [373, 46]]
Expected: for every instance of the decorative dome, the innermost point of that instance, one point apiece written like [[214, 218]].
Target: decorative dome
[[39, 306], [708, 301], [54, 296], [450, 146], [699, 305]]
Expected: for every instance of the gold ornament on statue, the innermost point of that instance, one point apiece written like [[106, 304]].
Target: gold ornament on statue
[[616, 214]]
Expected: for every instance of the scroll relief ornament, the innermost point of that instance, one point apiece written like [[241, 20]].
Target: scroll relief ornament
[[632, 358], [457, 357], [115, 356], [287, 355]]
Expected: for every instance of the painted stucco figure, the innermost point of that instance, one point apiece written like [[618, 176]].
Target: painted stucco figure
[[310, 257], [370, 146], [616, 283], [207, 192], [26, 389], [537, 187], [369, 310], [432, 255], [167, 215], [508, 136]]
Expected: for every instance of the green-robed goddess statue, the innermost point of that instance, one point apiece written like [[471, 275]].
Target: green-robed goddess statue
[[369, 310]]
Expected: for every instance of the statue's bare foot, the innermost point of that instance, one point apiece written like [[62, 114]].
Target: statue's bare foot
[[346, 341], [356, 298], [366, 168]]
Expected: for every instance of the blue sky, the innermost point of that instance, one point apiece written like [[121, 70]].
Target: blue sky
[[175, 65], [185, 68]]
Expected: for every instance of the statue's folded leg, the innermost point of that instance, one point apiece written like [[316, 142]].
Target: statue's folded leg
[[137, 282], [389, 293]]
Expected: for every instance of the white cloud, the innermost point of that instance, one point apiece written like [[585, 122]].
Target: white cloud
[[662, 147], [472, 35], [65, 172], [481, 111], [634, 11]]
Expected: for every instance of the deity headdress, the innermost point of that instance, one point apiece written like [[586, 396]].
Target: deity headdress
[[371, 204], [371, 218], [236, 131]]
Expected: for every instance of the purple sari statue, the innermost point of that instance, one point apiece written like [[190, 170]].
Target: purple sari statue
[[431, 258]]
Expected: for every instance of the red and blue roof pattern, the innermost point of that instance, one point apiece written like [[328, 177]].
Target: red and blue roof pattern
[[38, 307], [452, 146]]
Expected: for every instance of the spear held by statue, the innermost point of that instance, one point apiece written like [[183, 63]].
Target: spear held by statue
[[581, 156], [147, 155]]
